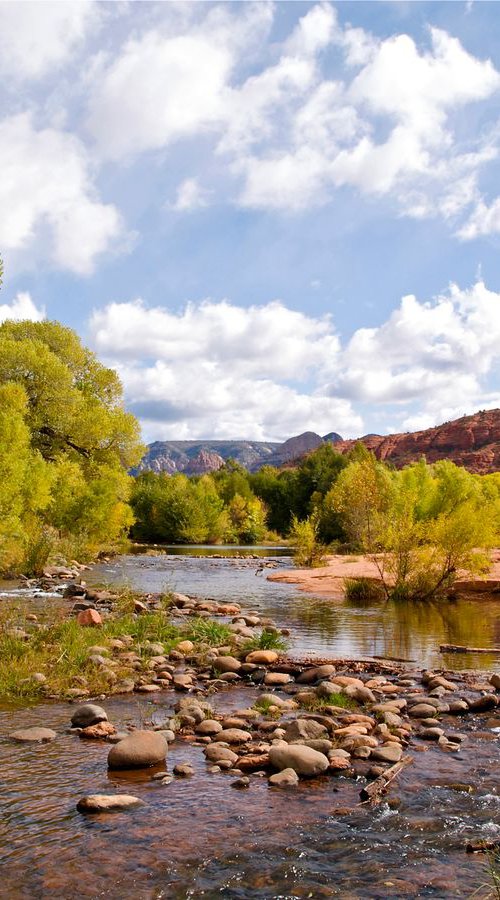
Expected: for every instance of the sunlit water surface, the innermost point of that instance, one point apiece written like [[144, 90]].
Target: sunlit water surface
[[201, 837]]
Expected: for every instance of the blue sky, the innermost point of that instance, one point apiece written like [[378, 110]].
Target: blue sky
[[269, 218]]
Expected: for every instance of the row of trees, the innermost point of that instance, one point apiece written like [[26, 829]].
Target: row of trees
[[66, 444], [419, 525]]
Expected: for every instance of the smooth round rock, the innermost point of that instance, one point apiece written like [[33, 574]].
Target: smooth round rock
[[33, 735], [88, 714], [285, 778], [226, 664], [233, 736], [262, 657], [303, 760], [96, 803], [139, 750], [390, 753]]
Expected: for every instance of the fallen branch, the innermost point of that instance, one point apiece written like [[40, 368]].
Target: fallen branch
[[457, 648], [373, 792]]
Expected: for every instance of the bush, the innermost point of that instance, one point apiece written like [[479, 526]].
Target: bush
[[309, 551], [363, 590]]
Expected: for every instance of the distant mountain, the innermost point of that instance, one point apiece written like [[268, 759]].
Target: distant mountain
[[199, 457], [472, 442]]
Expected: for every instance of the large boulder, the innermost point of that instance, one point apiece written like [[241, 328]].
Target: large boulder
[[303, 760], [139, 750], [88, 714]]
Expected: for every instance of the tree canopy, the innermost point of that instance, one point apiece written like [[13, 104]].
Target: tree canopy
[[66, 446]]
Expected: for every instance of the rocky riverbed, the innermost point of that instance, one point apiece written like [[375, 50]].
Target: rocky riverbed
[[359, 736]]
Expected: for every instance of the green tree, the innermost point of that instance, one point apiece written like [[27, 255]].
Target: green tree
[[66, 446]]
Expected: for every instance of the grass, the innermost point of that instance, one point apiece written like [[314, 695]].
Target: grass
[[362, 590], [314, 704], [266, 706], [208, 631], [60, 651], [267, 640]]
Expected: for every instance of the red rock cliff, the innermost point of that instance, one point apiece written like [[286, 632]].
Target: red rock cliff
[[472, 442]]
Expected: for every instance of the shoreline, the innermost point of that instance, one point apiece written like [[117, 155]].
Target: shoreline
[[329, 578]]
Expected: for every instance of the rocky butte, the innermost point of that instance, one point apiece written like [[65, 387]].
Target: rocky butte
[[472, 442]]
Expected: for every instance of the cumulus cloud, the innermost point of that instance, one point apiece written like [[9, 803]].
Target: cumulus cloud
[[222, 370], [435, 355], [47, 195], [21, 307], [36, 37], [216, 369]]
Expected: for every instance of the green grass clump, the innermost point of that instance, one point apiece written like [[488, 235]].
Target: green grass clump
[[267, 640], [363, 590], [266, 706], [208, 631], [315, 704]]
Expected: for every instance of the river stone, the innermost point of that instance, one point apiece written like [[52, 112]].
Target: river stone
[[422, 711], [34, 734], [309, 676], [327, 688], [184, 770], [487, 701], [219, 754], [495, 681], [459, 707], [304, 729], [262, 657], [321, 744], [208, 727], [390, 753], [226, 664], [108, 803], [285, 778], [430, 734], [303, 760], [361, 694], [88, 714], [139, 750], [233, 736], [274, 679]]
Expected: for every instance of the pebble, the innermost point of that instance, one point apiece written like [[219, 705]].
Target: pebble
[[95, 803]]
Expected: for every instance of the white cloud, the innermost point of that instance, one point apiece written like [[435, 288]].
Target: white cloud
[[190, 196], [221, 370], [47, 197], [164, 87], [435, 355], [215, 369], [484, 220], [21, 307], [36, 37]]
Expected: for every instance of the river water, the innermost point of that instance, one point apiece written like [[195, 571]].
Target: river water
[[200, 837]]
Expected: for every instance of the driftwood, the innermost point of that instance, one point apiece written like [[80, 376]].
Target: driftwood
[[482, 846], [457, 648], [374, 792]]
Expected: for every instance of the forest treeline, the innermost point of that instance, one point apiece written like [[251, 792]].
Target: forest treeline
[[67, 446]]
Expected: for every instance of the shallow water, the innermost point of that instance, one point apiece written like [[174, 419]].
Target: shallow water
[[200, 837], [323, 627]]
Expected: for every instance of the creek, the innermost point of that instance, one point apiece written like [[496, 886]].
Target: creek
[[200, 837]]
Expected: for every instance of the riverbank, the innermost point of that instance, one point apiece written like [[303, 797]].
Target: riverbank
[[329, 578], [240, 727]]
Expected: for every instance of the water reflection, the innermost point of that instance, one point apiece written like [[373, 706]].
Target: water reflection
[[325, 626]]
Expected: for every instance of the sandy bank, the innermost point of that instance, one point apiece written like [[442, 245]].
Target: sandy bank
[[329, 579]]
